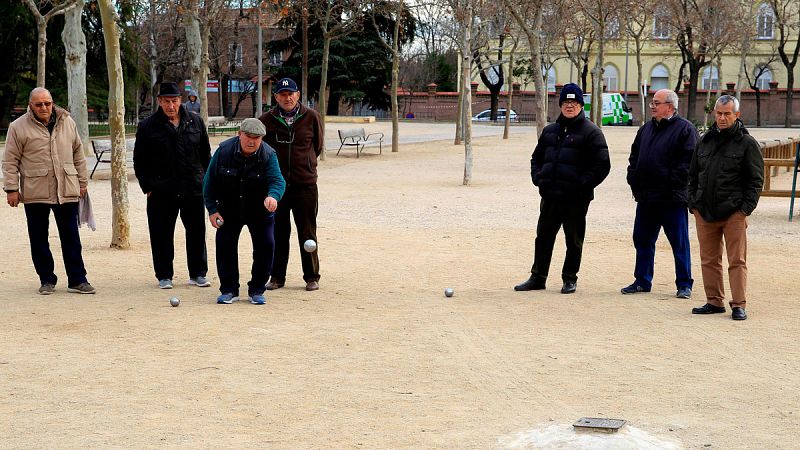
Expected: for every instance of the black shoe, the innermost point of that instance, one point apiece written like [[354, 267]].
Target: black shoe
[[738, 313], [569, 287], [633, 289], [531, 284], [708, 309]]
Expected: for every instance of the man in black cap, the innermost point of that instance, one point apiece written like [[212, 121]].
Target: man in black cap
[[242, 187], [296, 134], [570, 160], [170, 159]]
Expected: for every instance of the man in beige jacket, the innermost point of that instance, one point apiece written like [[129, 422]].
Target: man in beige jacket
[[45, 169]]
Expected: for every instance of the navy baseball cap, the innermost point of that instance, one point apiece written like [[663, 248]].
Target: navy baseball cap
[[285, 84]]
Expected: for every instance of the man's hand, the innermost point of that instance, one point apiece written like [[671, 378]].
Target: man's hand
[[271, 204], [13, 199], [213, 219], [84, 190], [148, 194]]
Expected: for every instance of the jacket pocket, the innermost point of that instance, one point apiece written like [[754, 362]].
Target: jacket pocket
[[72, 187], [36, 185]]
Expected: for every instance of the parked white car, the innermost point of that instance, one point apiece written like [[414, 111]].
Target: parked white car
[[485, 116]]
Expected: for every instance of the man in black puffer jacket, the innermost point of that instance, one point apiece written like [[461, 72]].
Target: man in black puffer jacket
[[170, 159], [658, 173], [725, 180], [570, 160]]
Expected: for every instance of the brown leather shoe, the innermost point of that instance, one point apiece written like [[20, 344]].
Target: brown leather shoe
[[272, 285], [312, 285]]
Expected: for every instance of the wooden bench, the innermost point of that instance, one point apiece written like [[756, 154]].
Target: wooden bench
[[777, 153], [103, 146], [358, 138]]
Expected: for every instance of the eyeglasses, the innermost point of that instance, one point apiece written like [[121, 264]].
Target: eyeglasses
[[569, 103], [40, 104], [655, 104], [280, 141]]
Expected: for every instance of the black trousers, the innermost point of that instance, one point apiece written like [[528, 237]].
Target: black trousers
[[162, 214], [66, 215], [553, 214], [303, 202], [261, 234]]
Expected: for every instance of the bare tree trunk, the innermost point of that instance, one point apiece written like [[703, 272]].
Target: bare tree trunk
[[538, 80], [758, 107], [742, 67], [507, 125], [459, 108], [202, 76], [194, 52], [466, 66], [597, 80], [639, 75], [153, 56], [41, 27], [396, 77], [75, 58], [304, 76], [323, 84], [120, 228]]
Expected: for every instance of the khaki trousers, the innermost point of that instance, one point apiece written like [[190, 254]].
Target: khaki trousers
[[710, 235]]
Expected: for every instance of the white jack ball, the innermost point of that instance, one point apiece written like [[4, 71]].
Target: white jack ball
[[309, 245]]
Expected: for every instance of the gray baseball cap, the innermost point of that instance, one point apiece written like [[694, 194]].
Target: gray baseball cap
[[253, 127]]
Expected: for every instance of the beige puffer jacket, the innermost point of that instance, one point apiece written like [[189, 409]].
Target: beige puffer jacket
[[44, 167]]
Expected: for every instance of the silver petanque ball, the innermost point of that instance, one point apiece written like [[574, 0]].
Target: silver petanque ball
[[309, 245], [219, 222], [448, 292], [174, 301]]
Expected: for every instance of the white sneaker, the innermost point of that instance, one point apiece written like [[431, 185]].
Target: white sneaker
[[166, 283], [199, 282]]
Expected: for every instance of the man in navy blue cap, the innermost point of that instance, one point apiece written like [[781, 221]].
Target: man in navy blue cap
[[170, 158], [296, 134], [570, 160]]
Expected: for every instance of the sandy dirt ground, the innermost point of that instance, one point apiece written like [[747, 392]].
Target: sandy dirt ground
[[379, 357]]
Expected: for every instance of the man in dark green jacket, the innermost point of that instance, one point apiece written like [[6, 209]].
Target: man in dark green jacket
[[725, 180], [242, 186]]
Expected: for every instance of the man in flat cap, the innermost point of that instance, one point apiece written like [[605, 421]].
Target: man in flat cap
[[242, 186], [295, 132], [170, 159]]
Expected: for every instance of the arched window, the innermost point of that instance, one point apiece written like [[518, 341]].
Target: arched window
[[710, 79], [659, 78], [764, 77], [611, 78], [551, 79], [765, 21]]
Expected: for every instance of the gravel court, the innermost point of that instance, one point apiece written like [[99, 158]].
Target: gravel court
[[379, 357]]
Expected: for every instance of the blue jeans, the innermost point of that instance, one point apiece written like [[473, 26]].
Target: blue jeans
[[261, 228], [66, 215], [650, 218]]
